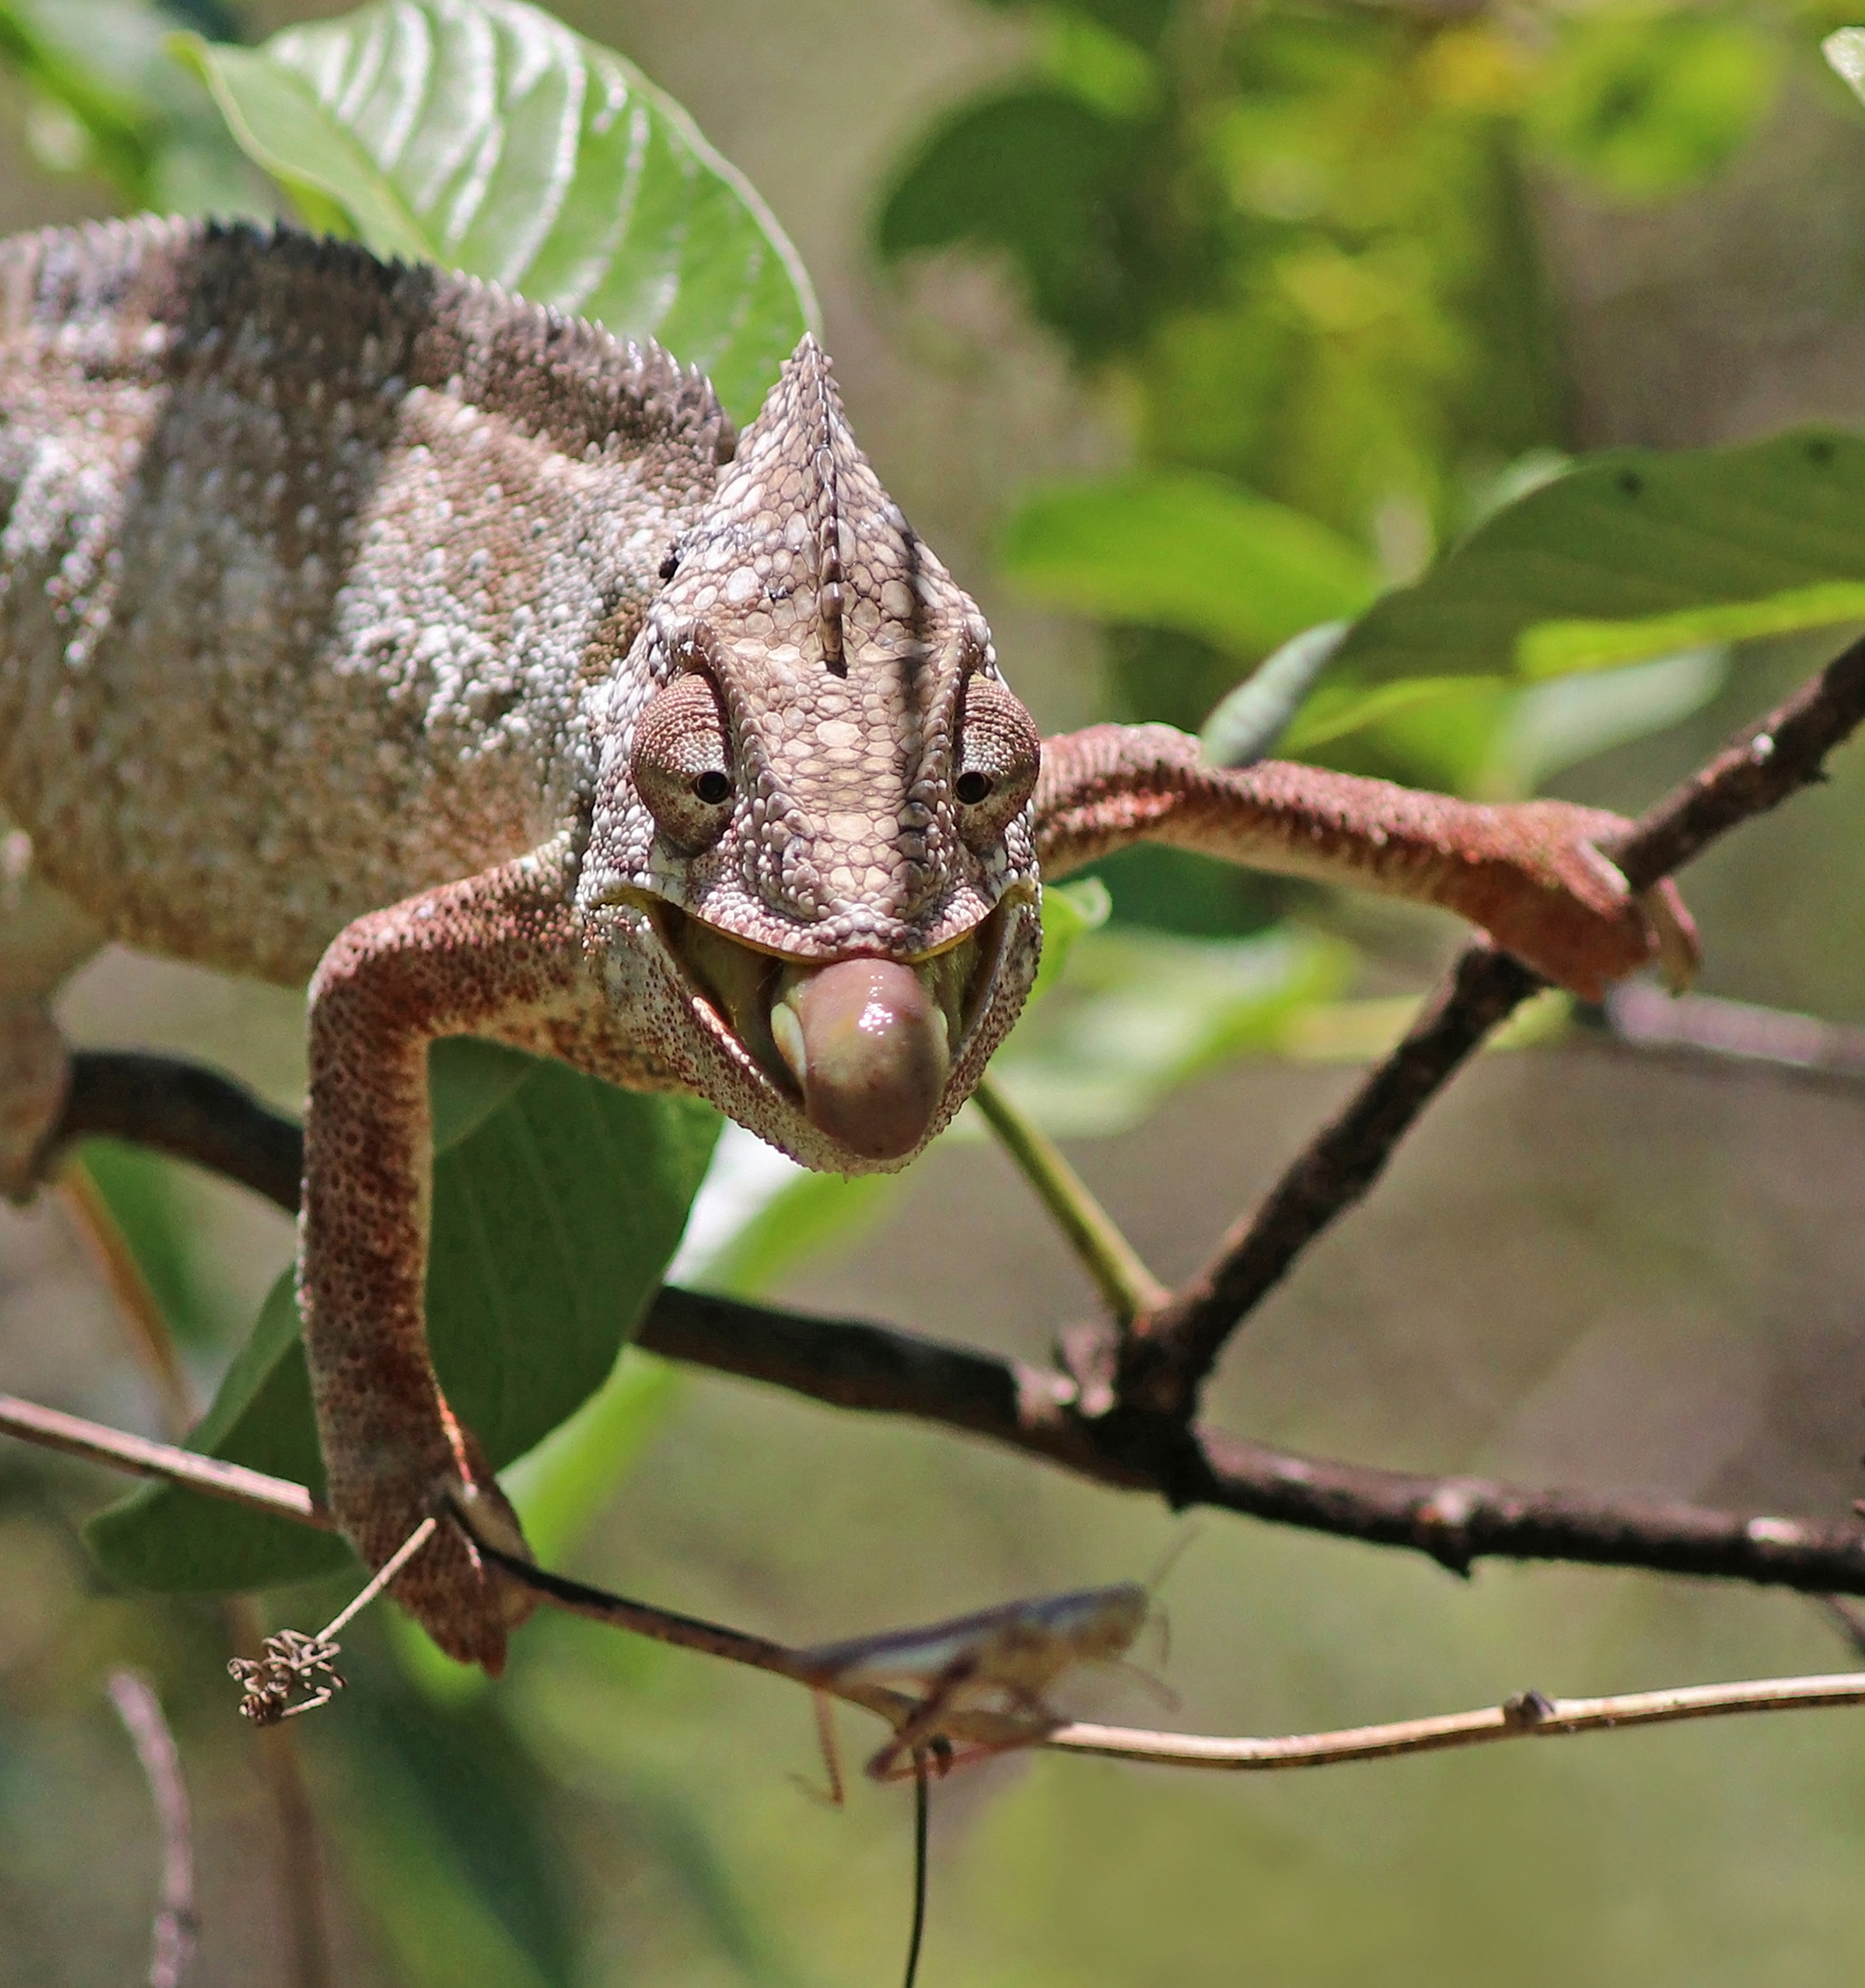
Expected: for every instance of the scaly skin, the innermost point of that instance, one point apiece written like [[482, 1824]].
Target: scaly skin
[[367, 627]]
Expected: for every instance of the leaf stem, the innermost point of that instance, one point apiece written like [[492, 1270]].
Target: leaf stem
[[1125, 1283]]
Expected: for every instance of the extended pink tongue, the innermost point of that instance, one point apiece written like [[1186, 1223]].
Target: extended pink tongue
[[868, 1044]]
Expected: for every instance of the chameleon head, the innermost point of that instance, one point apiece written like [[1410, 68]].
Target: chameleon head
[[814, 828]]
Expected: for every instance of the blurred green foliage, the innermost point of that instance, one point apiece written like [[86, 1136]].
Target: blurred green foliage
[[1294, 245]]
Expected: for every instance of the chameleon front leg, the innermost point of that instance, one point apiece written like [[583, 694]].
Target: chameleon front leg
[[495, 955], [1531, 874]]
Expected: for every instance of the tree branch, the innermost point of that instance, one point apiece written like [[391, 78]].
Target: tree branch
[[1164, 1360], [296, 1673], [187, 1111], [850, 1363]]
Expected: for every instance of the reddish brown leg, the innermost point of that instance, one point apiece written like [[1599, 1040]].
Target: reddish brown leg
[[1532, 875], [483, 957]]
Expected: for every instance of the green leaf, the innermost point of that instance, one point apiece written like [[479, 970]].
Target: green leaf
[[112, 100], [1563, 649], [447, 1838], [1187, 551], [1069, 911], [487, 137], [553, 1218], [1058, 184], [1549, 727], [1652, 553], [1845, 51], [1338, 709], [803, 1218]]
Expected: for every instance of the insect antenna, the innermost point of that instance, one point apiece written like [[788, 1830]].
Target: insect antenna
[[922, 1805]]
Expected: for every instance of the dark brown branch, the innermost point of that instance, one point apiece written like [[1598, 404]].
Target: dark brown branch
[[854, 1364], [187, 1111], [1163, 1361], [1458, 1520]]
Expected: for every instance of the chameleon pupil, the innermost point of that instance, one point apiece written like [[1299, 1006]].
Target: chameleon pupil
[[972, 788], [712, 787]]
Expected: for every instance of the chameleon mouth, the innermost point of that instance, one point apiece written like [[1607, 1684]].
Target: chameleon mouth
[[864, 1045]]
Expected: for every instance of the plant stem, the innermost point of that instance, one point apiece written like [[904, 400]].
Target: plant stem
[[1123, 1280]]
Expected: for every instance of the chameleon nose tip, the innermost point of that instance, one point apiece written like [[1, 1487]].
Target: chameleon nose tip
[[869, 1047]]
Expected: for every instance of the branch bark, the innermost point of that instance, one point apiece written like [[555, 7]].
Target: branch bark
[[1162, 1362]]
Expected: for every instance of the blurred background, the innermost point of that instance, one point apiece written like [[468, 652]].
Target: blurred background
[[1385, 265]]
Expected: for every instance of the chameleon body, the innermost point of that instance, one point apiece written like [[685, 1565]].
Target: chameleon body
[[365, 626]]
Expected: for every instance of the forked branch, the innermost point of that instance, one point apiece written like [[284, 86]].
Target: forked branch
[[1165, 1358]]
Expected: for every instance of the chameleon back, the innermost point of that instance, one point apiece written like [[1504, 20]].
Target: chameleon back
[[306, 564]]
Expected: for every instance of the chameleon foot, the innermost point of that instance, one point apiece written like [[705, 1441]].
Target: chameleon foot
[[462, 1603]]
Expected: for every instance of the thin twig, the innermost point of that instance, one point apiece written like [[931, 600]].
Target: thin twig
[[1528, 1716], [1164, 1360], [1702, 1026], [53, 1430], [172, 1944], [1127, 1285]]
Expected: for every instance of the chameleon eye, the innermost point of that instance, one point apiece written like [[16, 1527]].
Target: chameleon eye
[[682, 763], [1000, 753]]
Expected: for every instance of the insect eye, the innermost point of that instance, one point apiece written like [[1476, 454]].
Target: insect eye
[[972, 788], [713, 785]]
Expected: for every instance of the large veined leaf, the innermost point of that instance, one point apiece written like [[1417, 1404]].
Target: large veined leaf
[[1636, 556], [1181, 550], [484, 135], [556, 1208]]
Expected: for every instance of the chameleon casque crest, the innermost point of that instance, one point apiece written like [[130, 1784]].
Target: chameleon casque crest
[[365, 626]]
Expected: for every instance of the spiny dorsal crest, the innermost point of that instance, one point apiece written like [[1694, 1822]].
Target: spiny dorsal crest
[[819, 407]]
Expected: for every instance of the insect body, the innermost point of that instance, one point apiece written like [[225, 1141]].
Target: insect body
[[981, 1680]]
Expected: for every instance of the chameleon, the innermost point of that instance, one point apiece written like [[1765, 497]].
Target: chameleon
[[367, 628]]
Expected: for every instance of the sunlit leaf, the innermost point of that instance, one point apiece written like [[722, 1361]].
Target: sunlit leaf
[[1140, 1012], [113, 101], [1058, 184], [1654, 553], [486, 136], [553, 1217]]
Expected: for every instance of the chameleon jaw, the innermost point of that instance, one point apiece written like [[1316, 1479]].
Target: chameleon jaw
[[829, 1055]]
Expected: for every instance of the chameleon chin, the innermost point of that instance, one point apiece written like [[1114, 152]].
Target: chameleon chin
[[365, 626]]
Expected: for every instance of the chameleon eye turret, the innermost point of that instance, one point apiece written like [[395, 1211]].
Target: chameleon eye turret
[[1000, 755], [682, 763]]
